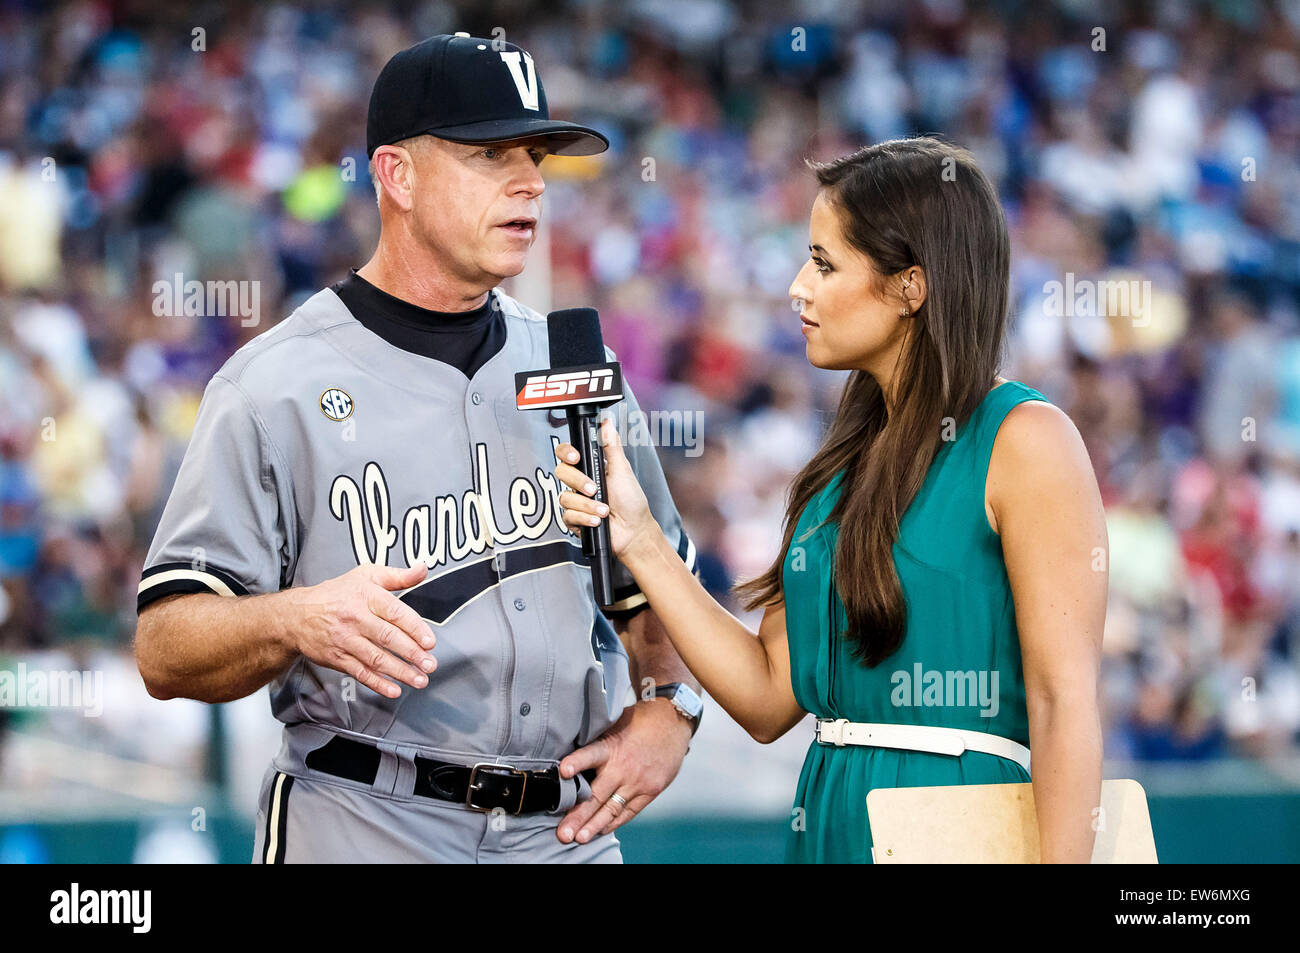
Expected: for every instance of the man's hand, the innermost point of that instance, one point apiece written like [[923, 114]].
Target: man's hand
[[355, 625], [636, 758]]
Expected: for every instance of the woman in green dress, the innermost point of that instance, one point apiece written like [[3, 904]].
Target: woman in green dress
[[943, 570]]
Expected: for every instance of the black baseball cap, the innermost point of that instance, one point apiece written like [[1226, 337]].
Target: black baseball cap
[[468, 89]]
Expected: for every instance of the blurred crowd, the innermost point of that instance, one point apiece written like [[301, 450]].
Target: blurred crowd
[[1153, 144]]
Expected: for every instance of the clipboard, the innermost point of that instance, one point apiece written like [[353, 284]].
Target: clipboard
[[996, 824]]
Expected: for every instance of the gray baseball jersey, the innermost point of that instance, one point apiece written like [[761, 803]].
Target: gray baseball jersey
[[320, 446]]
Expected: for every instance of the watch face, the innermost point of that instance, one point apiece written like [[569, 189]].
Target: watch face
[[687, 702]]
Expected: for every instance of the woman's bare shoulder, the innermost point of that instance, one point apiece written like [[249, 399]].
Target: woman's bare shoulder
[[1038, 450]]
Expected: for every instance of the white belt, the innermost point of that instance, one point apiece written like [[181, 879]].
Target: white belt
[[953, 741]]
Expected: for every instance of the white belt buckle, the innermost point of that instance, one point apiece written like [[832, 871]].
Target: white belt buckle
[[832, 731]]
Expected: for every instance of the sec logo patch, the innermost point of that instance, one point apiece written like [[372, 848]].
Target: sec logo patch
[[336, 404]]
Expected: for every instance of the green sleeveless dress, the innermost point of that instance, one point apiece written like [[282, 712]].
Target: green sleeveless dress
[[959, 664]]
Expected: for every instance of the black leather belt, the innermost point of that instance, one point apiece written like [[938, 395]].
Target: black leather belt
[[486, 786]]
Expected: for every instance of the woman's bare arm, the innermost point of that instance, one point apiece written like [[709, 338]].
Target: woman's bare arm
[[1048, 512], [748, 675]]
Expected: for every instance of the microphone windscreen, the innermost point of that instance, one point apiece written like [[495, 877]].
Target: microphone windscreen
[[574, 336]]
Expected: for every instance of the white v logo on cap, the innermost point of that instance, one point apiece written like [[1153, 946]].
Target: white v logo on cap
[[527, 87]]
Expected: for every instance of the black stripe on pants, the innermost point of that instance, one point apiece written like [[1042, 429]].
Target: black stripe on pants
[[277, 819]]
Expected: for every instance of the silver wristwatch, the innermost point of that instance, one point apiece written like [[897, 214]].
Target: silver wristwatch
[[685, 700]]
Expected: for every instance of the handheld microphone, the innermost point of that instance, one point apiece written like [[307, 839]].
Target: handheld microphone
[[581, 382]]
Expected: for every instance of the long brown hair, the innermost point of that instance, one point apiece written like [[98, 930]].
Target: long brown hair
[[907, 202]]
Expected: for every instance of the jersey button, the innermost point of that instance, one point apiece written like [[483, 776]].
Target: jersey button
[[525, 708], [476, 398], [520, 604]]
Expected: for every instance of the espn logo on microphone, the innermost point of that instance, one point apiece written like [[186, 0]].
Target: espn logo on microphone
[[565, 387]]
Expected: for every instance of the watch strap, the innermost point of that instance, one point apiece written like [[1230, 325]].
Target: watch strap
[[669, 690]]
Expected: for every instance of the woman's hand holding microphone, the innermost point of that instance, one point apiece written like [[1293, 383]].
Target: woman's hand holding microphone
[[747, 673], [632, 526]]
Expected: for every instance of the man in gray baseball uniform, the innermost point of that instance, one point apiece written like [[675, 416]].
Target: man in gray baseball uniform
[[365, 522]]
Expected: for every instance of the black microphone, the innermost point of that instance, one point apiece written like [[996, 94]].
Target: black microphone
[[581, 381]]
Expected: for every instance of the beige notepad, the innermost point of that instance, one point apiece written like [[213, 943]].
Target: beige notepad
[[996, 824]]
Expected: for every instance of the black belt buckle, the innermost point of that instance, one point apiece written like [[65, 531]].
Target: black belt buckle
[[491, 769]]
